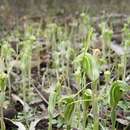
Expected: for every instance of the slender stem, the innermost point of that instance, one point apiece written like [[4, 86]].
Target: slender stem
[[113, 118], [85, 116], [9, 84], [24, 90], [29, 74], [104, 49], [84, 110], [50, 122], [38, 66], [68, 127], [95, 106], [109, 60], [125, 62], [24, 85], [68, 80], [78, 113], [2, 124]]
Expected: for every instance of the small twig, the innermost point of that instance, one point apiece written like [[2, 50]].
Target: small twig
[[40, 94]]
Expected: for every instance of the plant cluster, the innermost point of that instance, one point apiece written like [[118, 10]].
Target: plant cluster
[[72, 74]]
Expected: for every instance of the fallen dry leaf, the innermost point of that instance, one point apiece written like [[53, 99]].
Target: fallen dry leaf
[[20, 125], [23, 104], [117, 49]]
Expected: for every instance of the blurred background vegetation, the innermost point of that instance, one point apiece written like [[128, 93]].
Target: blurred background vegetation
[[22, 7], [12, 10]]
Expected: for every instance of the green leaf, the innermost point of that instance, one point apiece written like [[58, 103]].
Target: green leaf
[[106, 33], [69, 107], [54, 97], [52, 102], [2, 97], [89, 65], [3, 78], [87, 96], [88, 38], [6, 50], [116, 91]]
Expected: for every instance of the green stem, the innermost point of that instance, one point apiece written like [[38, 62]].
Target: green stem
[[68, 127], [84, 109], [2, 124], [78, 113], [104, 49], [125, 62], [9, 84], [85, 116], [113, 118], [50, 122], [95, 106], [24, 91]]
